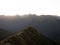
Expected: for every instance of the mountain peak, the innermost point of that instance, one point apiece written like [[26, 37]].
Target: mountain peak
[[28, 36]]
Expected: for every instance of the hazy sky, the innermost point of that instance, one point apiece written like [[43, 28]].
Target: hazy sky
[[13, 7]]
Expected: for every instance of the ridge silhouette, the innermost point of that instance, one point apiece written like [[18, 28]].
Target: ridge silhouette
[[28, 36]]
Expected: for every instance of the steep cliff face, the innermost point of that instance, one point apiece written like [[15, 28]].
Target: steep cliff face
[[27, 36]]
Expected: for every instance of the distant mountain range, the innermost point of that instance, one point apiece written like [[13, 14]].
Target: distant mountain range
[[45, 24], [28, 36]]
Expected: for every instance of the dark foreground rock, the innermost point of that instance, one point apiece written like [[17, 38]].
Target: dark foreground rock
[[27, 36]]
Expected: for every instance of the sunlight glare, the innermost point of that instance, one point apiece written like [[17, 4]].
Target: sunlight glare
[[21, 7]]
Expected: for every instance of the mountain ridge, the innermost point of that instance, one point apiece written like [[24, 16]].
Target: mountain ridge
[[28, 36], [46, 24]]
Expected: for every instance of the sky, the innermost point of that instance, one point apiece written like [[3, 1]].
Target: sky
[[21, 7]]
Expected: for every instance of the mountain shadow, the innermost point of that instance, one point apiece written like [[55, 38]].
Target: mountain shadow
[[4, 34], [28, 36]]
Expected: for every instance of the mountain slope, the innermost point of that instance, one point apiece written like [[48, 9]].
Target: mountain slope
[[27, 36], [46, 24]]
